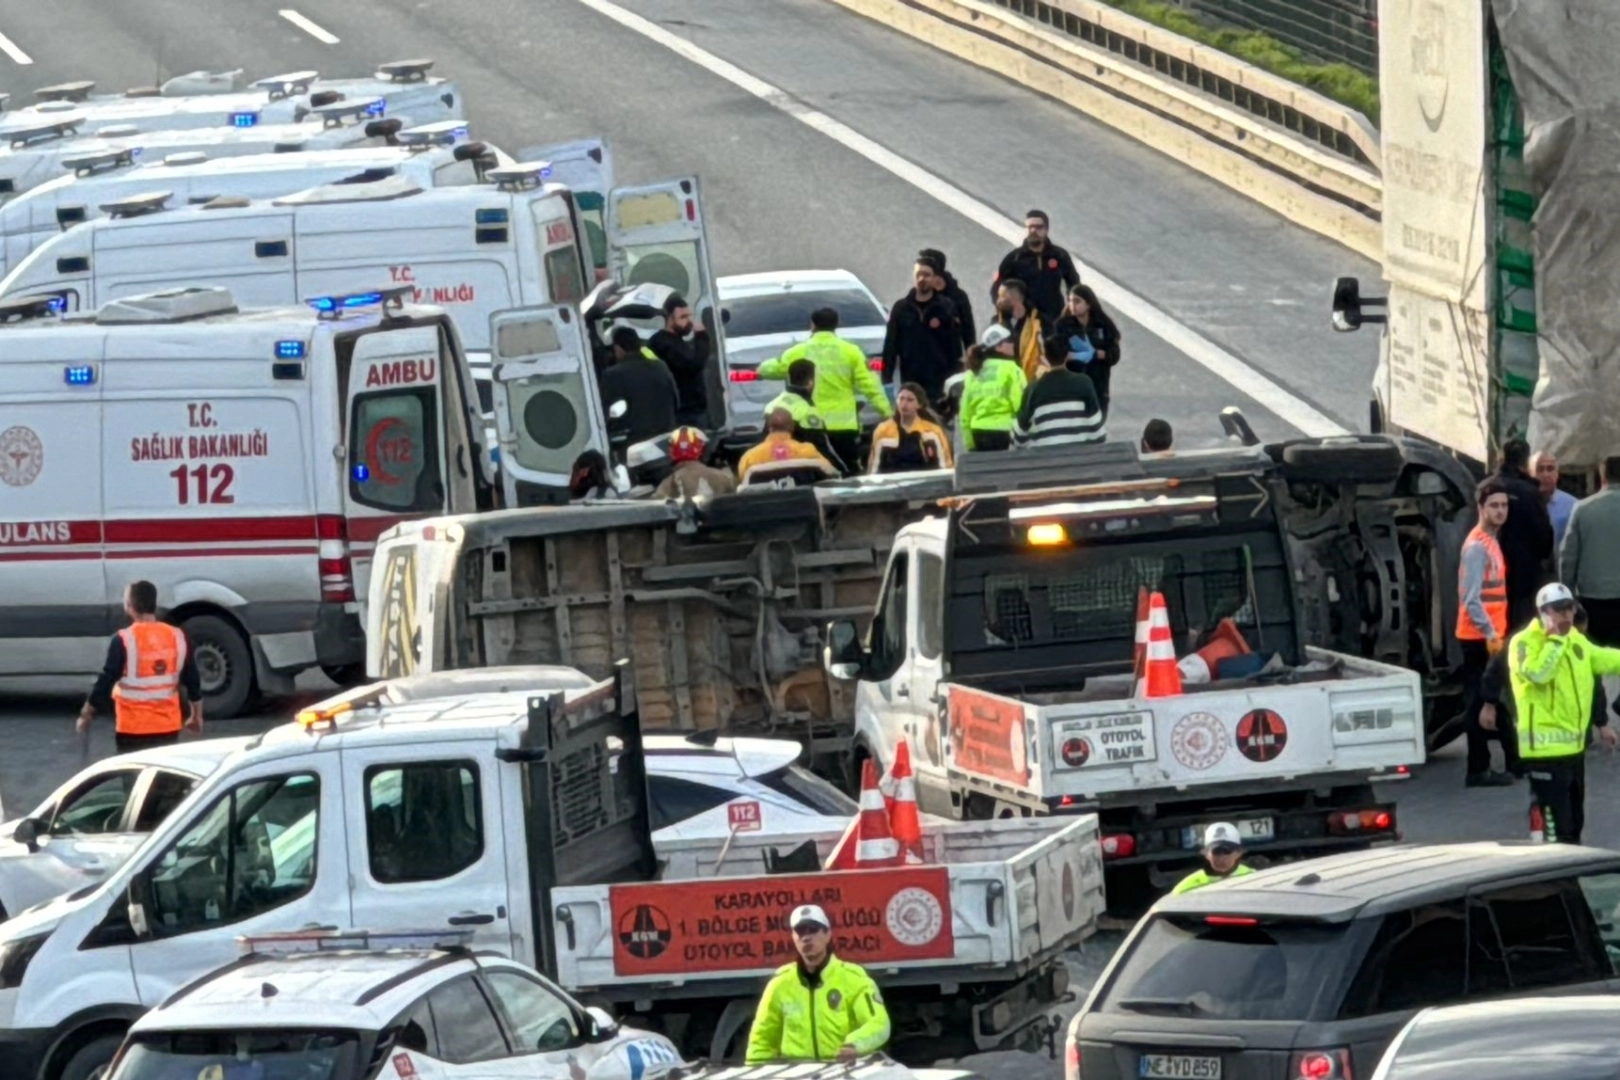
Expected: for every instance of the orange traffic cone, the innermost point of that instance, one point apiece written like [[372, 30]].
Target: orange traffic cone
[[899, 789], [1227, 642], [867, 843], [1162, 678], [1538, 831], [1143, 613]]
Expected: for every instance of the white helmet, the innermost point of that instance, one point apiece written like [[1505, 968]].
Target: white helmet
[[1554, 595], [1222, 832]]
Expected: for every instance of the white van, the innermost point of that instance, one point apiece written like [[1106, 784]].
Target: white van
[[433, 155], [244, 462], [402, 88], [42, 148], [513, 242]]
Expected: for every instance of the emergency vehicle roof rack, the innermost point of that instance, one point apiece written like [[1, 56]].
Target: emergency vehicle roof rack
[[139, 205], [392, 187], [285, 86], [294, 942], [68, 91], [183, 158], [426, 136], [113, 157], [405, 70], [389, 299], [520, 176], [172, 306], [335, 114], [28, 307], [43, 129]]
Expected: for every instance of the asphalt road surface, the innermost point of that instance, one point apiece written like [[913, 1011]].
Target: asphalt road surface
[[822, 140]]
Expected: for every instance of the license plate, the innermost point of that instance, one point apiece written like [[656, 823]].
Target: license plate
[[1179, 1067], [1254, 830]]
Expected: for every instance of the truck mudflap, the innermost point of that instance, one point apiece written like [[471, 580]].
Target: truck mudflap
[[991, 903]]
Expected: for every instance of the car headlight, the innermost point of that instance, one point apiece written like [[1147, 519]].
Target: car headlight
[[15, 956]]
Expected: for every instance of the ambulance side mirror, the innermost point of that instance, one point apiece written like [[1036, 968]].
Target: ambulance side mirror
[[602, 1027], [27, 834]]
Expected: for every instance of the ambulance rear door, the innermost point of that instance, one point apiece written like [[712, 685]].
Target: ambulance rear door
[[586, 167], [406, 448], [656, 235], [548, 408]]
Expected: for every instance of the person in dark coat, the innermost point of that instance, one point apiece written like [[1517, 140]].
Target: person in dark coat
[[1527, 538], [924, 342], [947, 284], [1045, 268], [1084, 322], [685, 348], [644, 383]]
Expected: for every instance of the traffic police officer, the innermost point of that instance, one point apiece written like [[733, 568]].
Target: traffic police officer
[[1223, 856], [1552, 667], [841, 374], [818, 1008], [148, 663]]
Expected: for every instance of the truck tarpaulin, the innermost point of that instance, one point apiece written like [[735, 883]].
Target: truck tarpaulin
[[1561, 55], [741, 924]]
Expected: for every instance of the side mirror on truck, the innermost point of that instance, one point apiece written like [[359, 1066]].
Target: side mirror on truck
[[843, 655], [1348, 304]]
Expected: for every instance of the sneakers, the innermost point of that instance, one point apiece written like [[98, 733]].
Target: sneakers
[[1490, 779]]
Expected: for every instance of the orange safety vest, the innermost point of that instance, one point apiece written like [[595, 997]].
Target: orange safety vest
[[1492, 591], [148, 696]]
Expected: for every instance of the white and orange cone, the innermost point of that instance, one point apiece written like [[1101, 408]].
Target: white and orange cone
[[1160, 676], [899, 789], [868, 843]]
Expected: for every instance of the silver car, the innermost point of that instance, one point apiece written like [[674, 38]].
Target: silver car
[[767, 313]]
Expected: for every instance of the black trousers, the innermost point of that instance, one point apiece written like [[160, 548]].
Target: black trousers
[[847, 445], [992, 440], [1602, 621], [1559, 788], [128, 744], [1475, 658]]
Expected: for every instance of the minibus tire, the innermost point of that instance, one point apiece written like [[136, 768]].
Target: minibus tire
[[216, 641]]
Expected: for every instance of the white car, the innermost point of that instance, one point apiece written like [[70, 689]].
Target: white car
[[766, 313], [394, 1006], [92, 823], [701, 788]]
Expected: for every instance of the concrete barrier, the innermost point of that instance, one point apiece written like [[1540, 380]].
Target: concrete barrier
[[1332, 193]]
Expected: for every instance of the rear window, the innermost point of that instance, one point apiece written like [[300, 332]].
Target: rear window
[[1186, 968], [789, 313], [810, 790]]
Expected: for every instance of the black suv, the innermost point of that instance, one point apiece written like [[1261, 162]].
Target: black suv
[[1308, 971]]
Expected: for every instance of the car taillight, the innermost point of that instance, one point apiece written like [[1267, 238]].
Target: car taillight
[[745, 376], [1071, 1058], [1331, 1064], [1231, 920], [1353, 821], [1120, 846], [337, 572]]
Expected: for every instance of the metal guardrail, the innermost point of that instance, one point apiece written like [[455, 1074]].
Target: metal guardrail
[[1345, 31], [1311, 159]]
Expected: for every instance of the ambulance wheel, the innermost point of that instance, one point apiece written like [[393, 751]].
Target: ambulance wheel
[[224, 664], [92, 1058]]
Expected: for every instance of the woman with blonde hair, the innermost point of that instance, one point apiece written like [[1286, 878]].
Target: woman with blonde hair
[[912, 438]]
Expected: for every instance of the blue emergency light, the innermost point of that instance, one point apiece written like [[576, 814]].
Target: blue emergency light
[[361, 473], [491, 217], [79, 375], [377, 108], [343, 303], [244, 119], [290, 350], [57, 304]]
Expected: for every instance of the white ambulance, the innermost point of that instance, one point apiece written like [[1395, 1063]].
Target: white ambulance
[[403, 87], [40, 148], [433, 155], [244, 462], [515, 241]]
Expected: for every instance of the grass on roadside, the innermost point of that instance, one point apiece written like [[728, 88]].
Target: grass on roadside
[[1341, 82]]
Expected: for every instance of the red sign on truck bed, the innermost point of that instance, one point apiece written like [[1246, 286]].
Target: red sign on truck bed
[[741, 924]]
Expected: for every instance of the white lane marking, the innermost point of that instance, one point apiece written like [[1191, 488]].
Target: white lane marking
[[9, 47], [325, 37], [1293, 410]]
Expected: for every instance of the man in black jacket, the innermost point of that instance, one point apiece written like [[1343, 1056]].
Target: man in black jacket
[[644, 384], [685, 348], [1045, 268], [946, 284], [1527, 538], [1061, 407], [924, 344]]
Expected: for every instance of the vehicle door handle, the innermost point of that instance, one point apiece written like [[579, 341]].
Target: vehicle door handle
[[471, 920]]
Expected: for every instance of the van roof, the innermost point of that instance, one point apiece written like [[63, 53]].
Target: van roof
[[189, 307], [1379, 880]]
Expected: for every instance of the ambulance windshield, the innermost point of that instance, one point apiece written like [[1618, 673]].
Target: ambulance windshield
[[242, 1055]]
